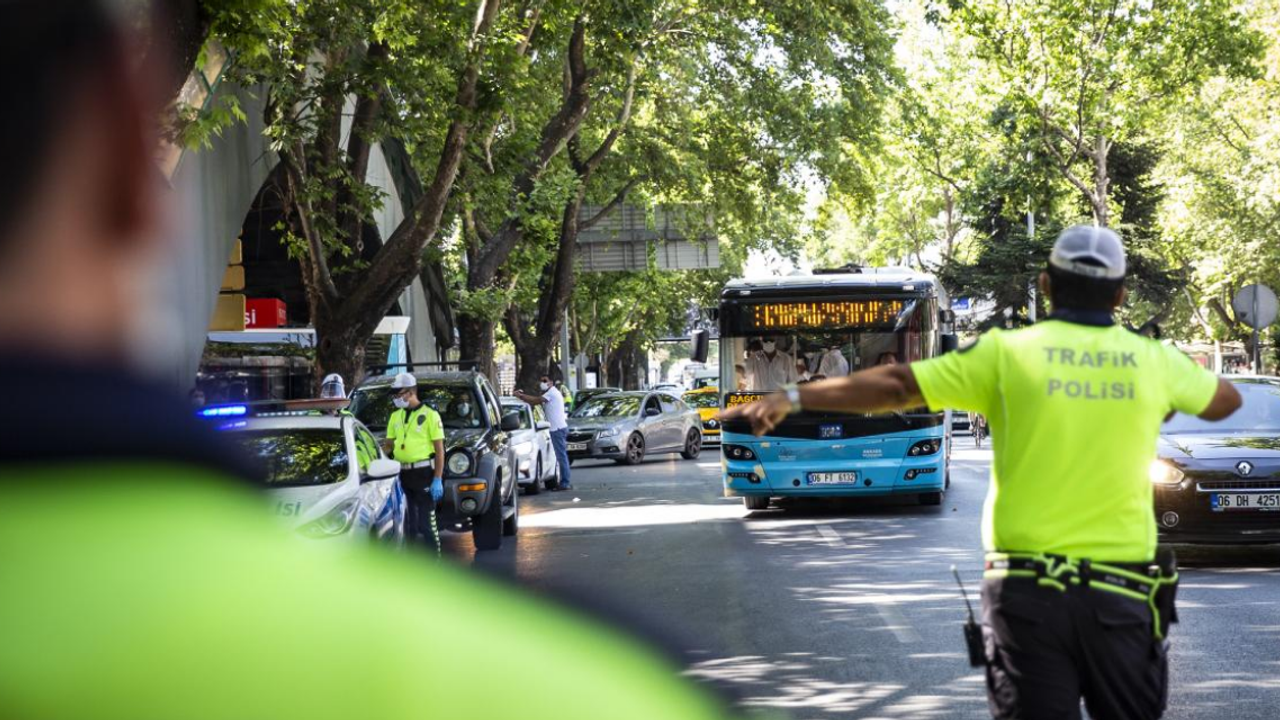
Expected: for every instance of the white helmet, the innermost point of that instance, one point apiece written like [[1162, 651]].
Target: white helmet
[[404, 380], [333, 387]]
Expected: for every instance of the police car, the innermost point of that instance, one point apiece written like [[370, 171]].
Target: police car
[[325, 473]]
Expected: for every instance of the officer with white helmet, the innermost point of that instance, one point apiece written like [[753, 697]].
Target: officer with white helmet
[[333, 388], [415, 437]]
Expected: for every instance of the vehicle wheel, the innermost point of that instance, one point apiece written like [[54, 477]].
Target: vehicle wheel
[[511, 525], [486, 530], [930, 498], [756, 502], [692, 445], [535, 487], [635, 450]]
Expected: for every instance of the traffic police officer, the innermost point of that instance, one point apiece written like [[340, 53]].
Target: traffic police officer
[[415, 437], [1076, 603], [141, 574]]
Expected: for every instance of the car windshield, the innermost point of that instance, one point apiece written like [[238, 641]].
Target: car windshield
[[609, 406], [703, 400], [297, 457], [1260, 413], [457, 405], [521, 410]]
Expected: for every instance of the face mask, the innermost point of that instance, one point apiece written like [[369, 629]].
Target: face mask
[[545, 386], [400, 403], [769, 346], [464, 410]]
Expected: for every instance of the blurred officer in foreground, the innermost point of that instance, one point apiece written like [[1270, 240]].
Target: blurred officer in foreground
[[142, 575], [1076, 602]]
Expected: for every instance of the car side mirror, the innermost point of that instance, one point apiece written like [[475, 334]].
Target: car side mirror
[[381, 469], [950, 342], [652, 412], [510, 422], [544, 425], [699, 342]]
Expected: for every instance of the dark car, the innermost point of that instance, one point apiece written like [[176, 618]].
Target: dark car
[[480, 470], [1219, 482], [626, 426]]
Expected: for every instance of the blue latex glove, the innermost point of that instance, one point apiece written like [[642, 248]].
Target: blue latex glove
[[437, 489]]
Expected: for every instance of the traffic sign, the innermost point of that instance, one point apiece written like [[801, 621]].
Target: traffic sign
[[1255, 306]]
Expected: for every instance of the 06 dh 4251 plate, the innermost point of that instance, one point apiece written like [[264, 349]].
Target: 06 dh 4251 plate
[[833, 478], [1245, 501]]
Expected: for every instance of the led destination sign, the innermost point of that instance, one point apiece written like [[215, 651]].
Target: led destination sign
[[821, 314]]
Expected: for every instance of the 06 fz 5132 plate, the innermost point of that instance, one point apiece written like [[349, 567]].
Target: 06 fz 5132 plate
[[832, 478]]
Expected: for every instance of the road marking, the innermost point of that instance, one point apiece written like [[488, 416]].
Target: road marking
[[897, 623], [831, 536]]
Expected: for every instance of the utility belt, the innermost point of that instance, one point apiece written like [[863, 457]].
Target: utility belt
[[1155, 584], [428, 463]]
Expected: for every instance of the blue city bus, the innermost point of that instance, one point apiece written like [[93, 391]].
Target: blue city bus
[[822, 325]]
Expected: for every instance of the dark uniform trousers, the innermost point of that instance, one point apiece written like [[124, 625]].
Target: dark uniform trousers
[[418, 519], [1047, 648]]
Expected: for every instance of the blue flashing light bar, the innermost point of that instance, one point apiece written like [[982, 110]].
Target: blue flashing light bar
[[225, 411]]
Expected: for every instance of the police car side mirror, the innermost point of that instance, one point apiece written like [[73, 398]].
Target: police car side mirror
[[510, 422], [381, 469], [544, 425], [652, 412], [950, 342]]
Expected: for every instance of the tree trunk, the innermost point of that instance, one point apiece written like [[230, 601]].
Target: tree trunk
[[476, 344], [341, 349], [1101, 183], [535, 361]]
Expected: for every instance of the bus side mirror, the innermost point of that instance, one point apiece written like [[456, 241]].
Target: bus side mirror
[[950, 342], [699, 344]]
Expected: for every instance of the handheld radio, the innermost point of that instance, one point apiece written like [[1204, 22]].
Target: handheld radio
[[972, 630]]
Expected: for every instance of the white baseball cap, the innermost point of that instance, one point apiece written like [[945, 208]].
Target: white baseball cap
[[402, 381], [1094, 252]]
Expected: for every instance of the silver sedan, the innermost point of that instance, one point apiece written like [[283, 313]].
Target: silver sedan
[[626, 426]]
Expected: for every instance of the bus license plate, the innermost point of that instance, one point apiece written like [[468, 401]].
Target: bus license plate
[[575, 447], [1245, 501], [834, 431], [833, 478]]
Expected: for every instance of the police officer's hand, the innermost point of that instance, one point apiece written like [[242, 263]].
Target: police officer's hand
[[437, 489], [763, 414]]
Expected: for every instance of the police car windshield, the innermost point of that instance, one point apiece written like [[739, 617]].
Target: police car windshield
[[521, 410], [298, 457], [609, 406], [457, 405], [1260, 413]]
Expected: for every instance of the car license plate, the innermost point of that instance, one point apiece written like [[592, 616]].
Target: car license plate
[[834, 431], [1245, 501], [833, 478], [576, 447]]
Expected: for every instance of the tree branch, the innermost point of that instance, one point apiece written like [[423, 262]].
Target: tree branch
[[618, 198], [320, 278]]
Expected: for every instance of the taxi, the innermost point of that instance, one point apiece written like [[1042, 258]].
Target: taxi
[[706, 400], [325, 474]]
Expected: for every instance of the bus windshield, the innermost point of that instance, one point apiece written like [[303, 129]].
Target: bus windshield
[[767, 362]]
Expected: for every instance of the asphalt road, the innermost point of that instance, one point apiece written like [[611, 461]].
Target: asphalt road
[[847, 610]]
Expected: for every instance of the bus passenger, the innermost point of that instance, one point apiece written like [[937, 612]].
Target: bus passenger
[[887, 358], [833, 363], [770, 368]]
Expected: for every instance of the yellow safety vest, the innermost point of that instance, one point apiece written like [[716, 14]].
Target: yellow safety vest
[[414, 433]]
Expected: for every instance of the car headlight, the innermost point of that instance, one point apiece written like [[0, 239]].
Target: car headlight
[[458, 462], [711, 423], [1163, 472], [524, 448], [333, 523], [608, 432]]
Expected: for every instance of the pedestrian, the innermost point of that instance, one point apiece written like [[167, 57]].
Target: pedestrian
[[1076, 597], [332, 388], [553, 403], [415, 437], [143, 575]]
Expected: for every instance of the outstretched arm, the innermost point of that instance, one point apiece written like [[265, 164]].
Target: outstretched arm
[[880, 389]]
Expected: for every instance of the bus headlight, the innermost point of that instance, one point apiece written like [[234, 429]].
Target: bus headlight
[[738, 452], [1163, 472], [925, 447], [458, 462]]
